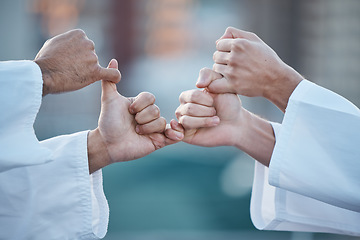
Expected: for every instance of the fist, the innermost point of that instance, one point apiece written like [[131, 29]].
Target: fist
[[68, 62]]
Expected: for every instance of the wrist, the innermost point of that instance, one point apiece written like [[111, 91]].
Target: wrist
[[282, 86], [98, 155], [255, 137], [46, 76]]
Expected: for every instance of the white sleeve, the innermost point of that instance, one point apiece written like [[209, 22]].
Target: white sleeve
[[317, 152], [84, 201], [309, 195], [20, 99], [46, 191]]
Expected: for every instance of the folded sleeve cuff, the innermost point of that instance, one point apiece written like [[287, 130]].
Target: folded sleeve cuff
[[297, 193], [86, 198]]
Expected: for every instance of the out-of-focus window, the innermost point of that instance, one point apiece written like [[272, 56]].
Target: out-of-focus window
[[57, 16]]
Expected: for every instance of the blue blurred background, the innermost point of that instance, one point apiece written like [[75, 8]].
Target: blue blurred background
[[183, 191]]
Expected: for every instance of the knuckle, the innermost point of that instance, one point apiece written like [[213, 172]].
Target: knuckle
[[214, 55], [181, 96], [156, 111], [184, 121], [188, 108], [162, 122], [79, 32], [232, 59], [149, 97], [204, 69], [253, 35], [92, 57], [204, 72], [90, 44], [146, 97], [178, 113], [48, 41], [214, 67], [229, 29], [178, 110], [217, 44], [194, 97]]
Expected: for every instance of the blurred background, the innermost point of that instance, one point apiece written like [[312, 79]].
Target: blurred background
[[183, 191]]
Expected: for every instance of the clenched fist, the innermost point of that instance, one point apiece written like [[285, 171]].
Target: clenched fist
[[68, 62]]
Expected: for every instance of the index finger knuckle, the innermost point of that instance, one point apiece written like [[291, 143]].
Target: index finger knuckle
[[148, 97], [78, 32]]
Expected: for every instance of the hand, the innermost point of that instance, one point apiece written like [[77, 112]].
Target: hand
[[219, 119], [251, 68], [129, 128], [210, 119], [68, 62]]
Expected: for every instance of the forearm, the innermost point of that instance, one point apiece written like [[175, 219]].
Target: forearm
[[256, 137]]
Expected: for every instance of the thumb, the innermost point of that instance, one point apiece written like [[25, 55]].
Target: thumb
[[206, 76], [220, 86], [107, 86], [232, 32], [111, 73], [113, 64], [228, 33]]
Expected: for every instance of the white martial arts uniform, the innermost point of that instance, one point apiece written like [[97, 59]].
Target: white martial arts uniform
[[46, 191], [313, 182]]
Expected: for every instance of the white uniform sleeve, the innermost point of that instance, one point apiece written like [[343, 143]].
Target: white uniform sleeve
[[313, 168], [51, 198], [20, 99]]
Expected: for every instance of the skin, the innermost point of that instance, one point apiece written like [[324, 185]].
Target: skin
[[129, 128], [68, 62], [251, 68], [245, 65], [203, 115]]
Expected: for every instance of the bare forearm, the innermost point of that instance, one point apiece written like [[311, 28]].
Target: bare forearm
[[256, 138]]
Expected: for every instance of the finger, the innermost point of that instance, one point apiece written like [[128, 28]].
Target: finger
[[148, 114], [196, 96], [224, 45], [196, 110], [206, 76], [106, 86], [198, 122], [228, 33], [221, 69], [176, 126], [141, 101], [156, 126], [113, 64], [174, 131], [112, 73], [173, 135], [220, 86], [221, 57], [89, 43], [232, 32]]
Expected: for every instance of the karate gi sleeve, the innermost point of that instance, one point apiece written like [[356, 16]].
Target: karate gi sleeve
[[20, 98], [46, 191], [311, 184]]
